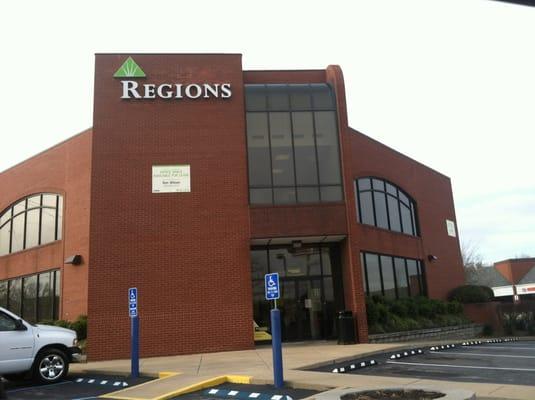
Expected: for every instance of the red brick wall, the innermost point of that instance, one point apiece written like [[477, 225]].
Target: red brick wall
[[188, 253], [433, 196], [63, 169], [486, 314]]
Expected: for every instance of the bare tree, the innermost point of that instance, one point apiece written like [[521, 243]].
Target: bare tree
[[471, 256]]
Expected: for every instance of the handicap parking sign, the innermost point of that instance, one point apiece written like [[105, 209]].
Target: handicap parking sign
[[132, 302], [271, 282]]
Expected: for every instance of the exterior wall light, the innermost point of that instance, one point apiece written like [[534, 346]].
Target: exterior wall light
[[431, 257], [296, 244], [74, 260]]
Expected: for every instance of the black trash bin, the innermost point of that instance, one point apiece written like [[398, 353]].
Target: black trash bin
[[346, 327]]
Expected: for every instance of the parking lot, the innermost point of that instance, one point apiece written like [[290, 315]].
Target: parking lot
[[505, 363], [75, 387]]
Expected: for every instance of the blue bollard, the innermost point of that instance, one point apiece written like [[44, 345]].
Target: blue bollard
[[277, 348], [134, 333]]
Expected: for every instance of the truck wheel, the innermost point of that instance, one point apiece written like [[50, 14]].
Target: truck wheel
[[50, 366]]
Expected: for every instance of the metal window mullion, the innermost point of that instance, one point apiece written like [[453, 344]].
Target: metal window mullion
[[314, 134], [387, 210], [381, 274], [56, 219], [408, 278], [293, 154], [373, 204], [399, 210], [11, 232], [395, 276], [359, 208], [270, 156], [40, 219], [25, 222], [366, 274]]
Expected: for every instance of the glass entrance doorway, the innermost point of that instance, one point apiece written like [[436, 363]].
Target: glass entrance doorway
[[309, 296]]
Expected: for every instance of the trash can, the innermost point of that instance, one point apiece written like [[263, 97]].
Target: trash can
[[346, 327]]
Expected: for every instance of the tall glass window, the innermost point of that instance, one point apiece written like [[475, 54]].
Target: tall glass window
[[34, 297], [292, 142], [30, 222], [392, 277], [386, 206]]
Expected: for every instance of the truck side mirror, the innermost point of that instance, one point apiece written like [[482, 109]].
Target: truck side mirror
[[19, 326]]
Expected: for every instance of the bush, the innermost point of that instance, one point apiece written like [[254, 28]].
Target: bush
[[471, 294], [79, 325], [454, 307], [487, 330]]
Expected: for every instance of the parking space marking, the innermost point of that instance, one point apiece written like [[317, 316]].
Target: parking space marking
[[511, 348], [480, 354], [461, 366]]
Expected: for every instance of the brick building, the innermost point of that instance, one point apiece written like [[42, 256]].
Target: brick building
[[198, 178]]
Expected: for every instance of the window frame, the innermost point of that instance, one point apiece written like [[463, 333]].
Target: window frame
[[411, 206], [27, 208]]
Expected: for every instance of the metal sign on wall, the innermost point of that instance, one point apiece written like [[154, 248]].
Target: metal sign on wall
[[171, 179]]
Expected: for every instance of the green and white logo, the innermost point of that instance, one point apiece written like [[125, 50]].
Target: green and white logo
[[129, 69]]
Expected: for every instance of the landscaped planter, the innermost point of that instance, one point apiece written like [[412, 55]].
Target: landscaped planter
[[407, 393], [447, 332]]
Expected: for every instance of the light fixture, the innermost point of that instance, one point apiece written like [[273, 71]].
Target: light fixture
[[74, 260], [296, 244], [431, 257]]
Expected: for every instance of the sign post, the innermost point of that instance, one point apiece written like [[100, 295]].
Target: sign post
[[134, 332], [271, 282]]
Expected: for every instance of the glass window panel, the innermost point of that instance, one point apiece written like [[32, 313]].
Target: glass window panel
[[284, 195], [322, 96], [300, 97], [5, 216], [363, 275], [401, 277], [4, 239], [32, 228], [34, 201], [413, 216], [327, 147], [281, 149], [326, 261], [388, 277], [255, 97], [278, 98], [403, 197], [304, 148], [46, 298], [414, 279], [391, 189], [15, 296], [308, 195], [374, 277], [60, 217], [366, 208], [19, 207], [261, 196], [29, 302], [364, 184], [259, 263], [261, 307], [278, 261], [303, 264], [421, 273], [50, 200], [380, 210], [48, 225], [6, 324], [57, 291], [17, 238], [378, 185], [406, 219], [3, 294], [331, 193], [258, 149], [393, 211]]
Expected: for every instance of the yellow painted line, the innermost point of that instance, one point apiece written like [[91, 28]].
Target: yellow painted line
[[117, 394], [193, 388], [239, 379]]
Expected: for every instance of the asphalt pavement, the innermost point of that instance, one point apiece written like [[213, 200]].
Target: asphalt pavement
[[247, 392], [75, 387], [505, 363]]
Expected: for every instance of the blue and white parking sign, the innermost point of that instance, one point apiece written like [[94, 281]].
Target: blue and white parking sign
[[132, 302], [271, 282]]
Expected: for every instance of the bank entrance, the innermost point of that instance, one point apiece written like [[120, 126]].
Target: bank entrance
[[311, 288]]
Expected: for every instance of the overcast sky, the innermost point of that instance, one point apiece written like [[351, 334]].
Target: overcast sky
[[449, 83]]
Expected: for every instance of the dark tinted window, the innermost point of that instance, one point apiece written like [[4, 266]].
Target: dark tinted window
[[382, 204], [392, 281], [29, 305], [292, 141]]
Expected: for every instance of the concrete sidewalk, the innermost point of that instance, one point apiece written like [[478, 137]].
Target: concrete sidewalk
[[257, 364]]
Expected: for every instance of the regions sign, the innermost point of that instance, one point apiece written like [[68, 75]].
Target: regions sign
[[132, 89]]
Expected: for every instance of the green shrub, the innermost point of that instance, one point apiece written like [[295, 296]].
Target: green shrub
[[79, 325], [454, 307], [487, 330], [471, 294]]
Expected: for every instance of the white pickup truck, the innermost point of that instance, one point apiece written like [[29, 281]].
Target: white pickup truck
[[42, 350]]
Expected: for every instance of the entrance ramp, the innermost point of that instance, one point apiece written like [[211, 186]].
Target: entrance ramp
[[171, 384]]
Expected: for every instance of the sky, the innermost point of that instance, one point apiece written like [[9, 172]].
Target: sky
[[449, 83]]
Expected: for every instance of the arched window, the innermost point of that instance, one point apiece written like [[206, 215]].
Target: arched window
[[386, 206], [30, 222]]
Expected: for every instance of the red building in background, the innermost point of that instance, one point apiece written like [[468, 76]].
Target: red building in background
[[198, 178]]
